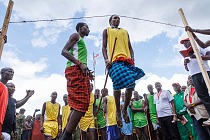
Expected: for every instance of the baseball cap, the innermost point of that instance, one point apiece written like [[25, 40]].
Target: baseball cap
[[182, 41]]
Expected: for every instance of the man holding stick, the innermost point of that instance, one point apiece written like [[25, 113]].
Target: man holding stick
[[120, 63], [191, 65]]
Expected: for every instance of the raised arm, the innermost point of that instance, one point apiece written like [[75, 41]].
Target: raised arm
[[201, 31], [200, 43], [25, 99]]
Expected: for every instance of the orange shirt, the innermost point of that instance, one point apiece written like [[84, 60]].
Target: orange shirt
[[36, 133], [3, 101]]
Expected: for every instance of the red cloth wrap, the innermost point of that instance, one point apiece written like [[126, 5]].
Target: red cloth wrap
[[78, 87]]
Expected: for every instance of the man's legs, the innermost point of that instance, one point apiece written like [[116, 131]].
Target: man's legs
[[91, 133], [117, 94], [74, 119], [202, 90], [83, 135], [128, 94], [103, 133]]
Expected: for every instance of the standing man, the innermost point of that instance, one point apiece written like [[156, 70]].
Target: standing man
[[50, 121], [78, 77], [101, 122], [6, 75], [151, 108], [20, 118], [140, 120], [112, 131], [9, 124], [185, 125], [166, 113], [116, 45], [65, 112], [36, 133], [87, 123], [191, 65]]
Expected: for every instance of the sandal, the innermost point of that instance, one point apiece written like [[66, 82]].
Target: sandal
[[125, 116], [119, 120]]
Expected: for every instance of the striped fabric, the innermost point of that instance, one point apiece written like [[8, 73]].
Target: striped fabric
[[123, 75], [78, 87]]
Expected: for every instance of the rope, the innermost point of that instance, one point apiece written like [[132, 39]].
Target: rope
[[90, 17]]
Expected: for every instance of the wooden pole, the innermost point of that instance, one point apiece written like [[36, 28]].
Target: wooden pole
[[196, 52], [5, 25]]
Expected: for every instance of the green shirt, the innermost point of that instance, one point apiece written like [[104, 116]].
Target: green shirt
[[100, 116], [179, 103], [138, 115], [79, 51], [152, 106]]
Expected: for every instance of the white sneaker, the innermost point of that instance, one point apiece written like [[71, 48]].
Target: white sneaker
[[206, 122]]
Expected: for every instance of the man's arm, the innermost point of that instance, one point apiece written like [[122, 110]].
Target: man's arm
[[130, 48], [200, 43], [173, 111], [207, 56], [70, 43], [25, 99], [105, 104], [59, 121], [201, 31], [42, 117], [104, 49]]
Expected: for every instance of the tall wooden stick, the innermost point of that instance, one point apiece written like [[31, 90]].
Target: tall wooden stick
[[195, 49], [5, 25], [107, 75]]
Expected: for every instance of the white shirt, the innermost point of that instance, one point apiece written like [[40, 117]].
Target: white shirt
[[193, 64], [163, 106]]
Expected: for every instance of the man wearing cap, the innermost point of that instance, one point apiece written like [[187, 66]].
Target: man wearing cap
[[20, 120], [185, 125], [192, 66]]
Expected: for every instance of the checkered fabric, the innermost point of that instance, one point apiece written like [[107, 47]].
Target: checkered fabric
[[78, 87], [123, 75]]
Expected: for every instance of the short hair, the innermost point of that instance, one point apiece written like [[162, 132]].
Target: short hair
[[5, 69], [110, 19], [79, 25]]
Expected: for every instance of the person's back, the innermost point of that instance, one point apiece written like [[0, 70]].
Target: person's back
[[36, 133], [20, 119]]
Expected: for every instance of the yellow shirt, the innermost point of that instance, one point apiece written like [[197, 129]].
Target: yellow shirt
[[65, 115], [111, 111], [51, 112], [88, 120], [121, 46], [50, 123]]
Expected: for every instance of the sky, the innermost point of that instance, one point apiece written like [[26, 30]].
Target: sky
[[34, 49]]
